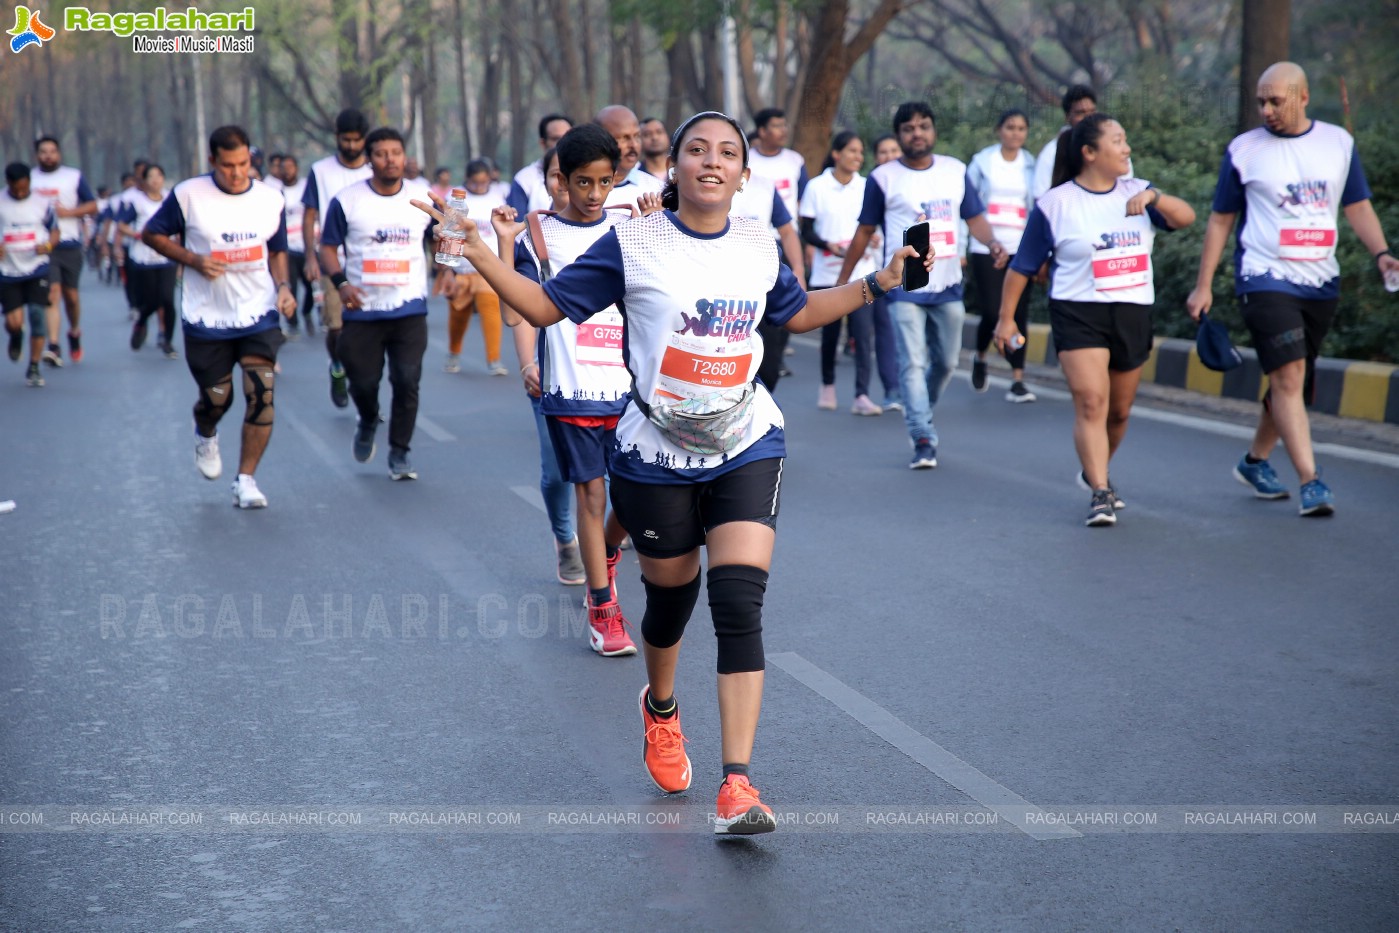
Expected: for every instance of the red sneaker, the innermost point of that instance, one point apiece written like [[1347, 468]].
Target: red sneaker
[[663, 749], [738, 811], [609, 636], [75, 347]]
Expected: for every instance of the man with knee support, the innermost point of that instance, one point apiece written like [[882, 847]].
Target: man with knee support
[[235, 241], [383, 290], [28, 236]]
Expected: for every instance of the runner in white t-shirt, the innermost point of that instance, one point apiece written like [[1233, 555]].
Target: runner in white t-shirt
[[72, 199], [633, 187], [293, 191], [1003, 175], [28, 236], [154, 274], [699, 453], [1287, 181], [1097, 228], [235, 242], [527, 190], [830, 209], [582, 377], [922, 187], [327, 178], [383, 290]]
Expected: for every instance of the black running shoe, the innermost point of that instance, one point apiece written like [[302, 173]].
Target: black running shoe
[[138, 335], [16, 345]]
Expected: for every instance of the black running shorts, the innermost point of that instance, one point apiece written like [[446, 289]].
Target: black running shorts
[[66, 265], [1123, 329], [211, 361], [1286, 328], [15, 295], [670, 521]]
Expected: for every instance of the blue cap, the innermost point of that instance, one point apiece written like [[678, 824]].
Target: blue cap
[[1214, 347]]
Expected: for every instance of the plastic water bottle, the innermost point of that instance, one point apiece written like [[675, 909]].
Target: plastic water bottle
[[451, 243], [1391, 281]]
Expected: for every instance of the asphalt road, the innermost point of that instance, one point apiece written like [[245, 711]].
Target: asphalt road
[[370, 707]]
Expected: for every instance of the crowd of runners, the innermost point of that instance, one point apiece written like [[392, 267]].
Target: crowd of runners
[[649, 280]]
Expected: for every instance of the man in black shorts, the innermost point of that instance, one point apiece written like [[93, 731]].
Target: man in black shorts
[[235, 238], [72, 200], [30, 234], [1288, 178]]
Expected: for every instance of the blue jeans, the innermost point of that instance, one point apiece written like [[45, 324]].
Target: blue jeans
[[886, 349], [930, 340], [558, 495]]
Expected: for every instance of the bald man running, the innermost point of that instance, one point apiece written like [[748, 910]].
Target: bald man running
[[630, 183], [1289, 177]]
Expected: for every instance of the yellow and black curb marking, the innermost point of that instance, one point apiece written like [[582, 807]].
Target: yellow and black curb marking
[[1348, 388]]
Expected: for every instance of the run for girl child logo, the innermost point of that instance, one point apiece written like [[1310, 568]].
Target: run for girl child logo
[[29, 30]]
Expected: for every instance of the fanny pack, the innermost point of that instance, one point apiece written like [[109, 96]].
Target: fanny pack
[[711, 424]]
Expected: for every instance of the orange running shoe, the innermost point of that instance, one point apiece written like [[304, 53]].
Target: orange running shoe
[[738, 811], [663, 749], [609, 636]]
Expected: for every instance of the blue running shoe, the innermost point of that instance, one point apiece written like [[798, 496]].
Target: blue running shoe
[[1261, 478], [1317, 499], [925, 455]]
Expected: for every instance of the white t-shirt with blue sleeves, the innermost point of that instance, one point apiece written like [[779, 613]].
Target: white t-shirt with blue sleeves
[[581, 369], [23, 226], [382, 236], [896, 196], [63, 187], [1099, 253], [1287, 191], [242, 231], [692, 303], [136, 211]]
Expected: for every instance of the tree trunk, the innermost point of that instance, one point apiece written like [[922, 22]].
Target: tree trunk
[[426, 63], [779, 54], [519, 102], [458, 38], [637, 74], [589, 31], [747, 59], [351, 77], [825, 70], [1267, 27]]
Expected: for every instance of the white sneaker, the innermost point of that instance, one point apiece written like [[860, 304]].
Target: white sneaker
[[246, 495], [497, 368], [206, 456], [453, 364]]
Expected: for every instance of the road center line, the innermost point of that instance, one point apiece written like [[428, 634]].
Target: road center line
[[1010, 806]]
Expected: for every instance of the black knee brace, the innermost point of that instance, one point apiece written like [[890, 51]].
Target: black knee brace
[[736, 605], [258, 381], [213, 404], [668, 609]]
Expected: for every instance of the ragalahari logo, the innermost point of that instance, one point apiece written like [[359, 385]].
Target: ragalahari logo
[[29, 29]]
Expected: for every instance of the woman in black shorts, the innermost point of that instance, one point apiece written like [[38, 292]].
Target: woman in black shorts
[[699, 451], [1097, 228]]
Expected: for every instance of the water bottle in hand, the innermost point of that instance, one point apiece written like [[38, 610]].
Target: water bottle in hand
[[451, 243], [1391, 280]]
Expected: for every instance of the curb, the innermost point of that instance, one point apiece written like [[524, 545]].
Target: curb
[[1347, 388]]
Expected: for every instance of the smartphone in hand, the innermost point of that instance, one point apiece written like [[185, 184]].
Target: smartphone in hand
[[915, 275]]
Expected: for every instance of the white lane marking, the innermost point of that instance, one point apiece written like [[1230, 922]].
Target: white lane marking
[[1010, 806], [434, 430], [531, 495]]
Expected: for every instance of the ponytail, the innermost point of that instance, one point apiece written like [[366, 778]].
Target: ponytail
[[1068, 158]]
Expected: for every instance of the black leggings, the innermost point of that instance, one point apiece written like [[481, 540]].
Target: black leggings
[[153, 289], [989, 281]]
